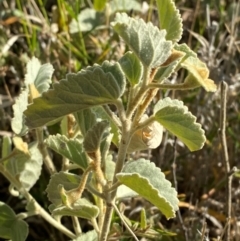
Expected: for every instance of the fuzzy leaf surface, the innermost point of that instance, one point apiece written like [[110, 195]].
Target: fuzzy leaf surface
[[39, 75], [170, 19], [6, 146], [132, 67], [125, 6], [11, 227], [99, 5], [148, 181], [175, 117], [86, 119], [97, 85], [69, 148], [125, 192], [102, 114], [26, 167], [94, 136], [91, 235], [184, 48], [87, 20], [169, 66], [198, 74], [19, 107], [82, 208], [144, 39], [68, 180]]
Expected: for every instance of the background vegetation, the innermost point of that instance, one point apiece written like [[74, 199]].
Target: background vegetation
[[71, 35]]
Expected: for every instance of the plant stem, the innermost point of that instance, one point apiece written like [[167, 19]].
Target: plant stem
[[112, 116], [42, 148], [76, 225], [12, 154], [38, 209], [181, 86], [137, 100], [124, 222], [125, 138], [224, 88], [142, 108]]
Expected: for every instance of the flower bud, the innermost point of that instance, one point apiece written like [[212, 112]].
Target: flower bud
[[149, 137]]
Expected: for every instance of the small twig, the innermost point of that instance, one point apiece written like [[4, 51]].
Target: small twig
[[112, 115], [95, 192], [76, 225], [95, 225], [224, 88], [124, 222], [174, 167], [43, 149], [203, 231], [180, 86]]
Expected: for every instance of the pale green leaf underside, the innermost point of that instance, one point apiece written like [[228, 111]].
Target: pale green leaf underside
[[10, 226], [87, 20], [39, 75], [176, 118], [198, 74], [184, 48], [94, 136], [68, 180], [89, 236], [165, 72], [69, 148], [124, 6], [81, 208], [86, 119], [125, 192], [170, 19], [99, 5], [109, 168], [101, 113], [148, 181], [19, 230], [26, 168], [19, 107], [97, 85], [144, 39], [6, 146], [132, 67]]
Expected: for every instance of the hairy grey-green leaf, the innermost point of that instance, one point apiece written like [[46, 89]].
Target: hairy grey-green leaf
[[69, 148], [26, 168], [125, 6], [170, 19], [148, 181], [11, 227], [169, 67], [81, 208], [94, 136], [102, 115], [184, 48], [144, 39], [132, 67], [176, 118], [18, 125], [68, 180], [89, 236], [87, 20], [6, 146], [39, 75], [94, 86], [86, 119], [125, 192]]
